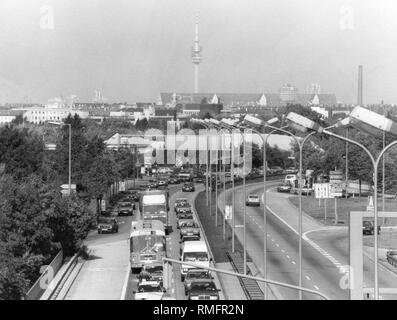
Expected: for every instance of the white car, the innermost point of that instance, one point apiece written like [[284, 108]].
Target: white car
[[253, 200], [149, 290]]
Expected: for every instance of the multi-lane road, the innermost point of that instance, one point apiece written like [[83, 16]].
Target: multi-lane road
[[325, 252], [176, 289]]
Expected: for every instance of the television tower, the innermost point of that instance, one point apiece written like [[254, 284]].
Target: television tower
[[196, 57]]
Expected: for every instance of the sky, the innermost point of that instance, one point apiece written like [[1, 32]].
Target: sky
[[132, 50]]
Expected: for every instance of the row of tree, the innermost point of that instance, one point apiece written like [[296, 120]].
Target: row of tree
[[323, 153], [35, 220]]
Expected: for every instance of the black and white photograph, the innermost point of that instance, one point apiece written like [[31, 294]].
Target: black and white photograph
[[212, 150]]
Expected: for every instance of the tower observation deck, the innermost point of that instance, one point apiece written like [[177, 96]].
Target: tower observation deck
[[196, 57]]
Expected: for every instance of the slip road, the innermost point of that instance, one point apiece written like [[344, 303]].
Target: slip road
[[200, 309]]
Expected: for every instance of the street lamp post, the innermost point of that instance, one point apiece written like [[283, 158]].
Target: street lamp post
[[208, 162], [70, 152], [228, 126], [370, 121], [300, 144]]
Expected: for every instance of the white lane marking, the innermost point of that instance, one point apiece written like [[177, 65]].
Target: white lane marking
[[308, 278], [277, 245], [293, 262], [317, 288], [287, 256], [282, 250], [304, 235]]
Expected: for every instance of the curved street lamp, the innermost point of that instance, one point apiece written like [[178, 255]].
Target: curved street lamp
[[368, 121]]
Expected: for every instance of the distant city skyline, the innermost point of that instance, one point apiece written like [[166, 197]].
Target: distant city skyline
[[133, 50]]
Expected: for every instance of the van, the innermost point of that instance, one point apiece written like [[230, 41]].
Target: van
[[290, 179], [194, 252]]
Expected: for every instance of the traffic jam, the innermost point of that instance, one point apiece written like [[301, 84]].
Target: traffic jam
[[161, 231]]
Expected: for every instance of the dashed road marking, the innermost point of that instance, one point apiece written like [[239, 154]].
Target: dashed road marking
[[293, 262], [308, 278], [317, 288], [288, 256]]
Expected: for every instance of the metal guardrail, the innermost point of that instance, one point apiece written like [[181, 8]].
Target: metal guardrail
[[250, 287], [392, 258]]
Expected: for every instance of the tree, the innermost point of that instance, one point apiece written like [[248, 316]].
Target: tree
[[20, 151], [101, 174]]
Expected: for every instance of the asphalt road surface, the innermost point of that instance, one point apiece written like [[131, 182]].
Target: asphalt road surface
[[323, 271]]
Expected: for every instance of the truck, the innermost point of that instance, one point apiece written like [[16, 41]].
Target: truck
[[154, 205]]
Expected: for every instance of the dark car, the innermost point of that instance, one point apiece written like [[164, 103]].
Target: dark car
[[188, 228], [174, 180], [107, 225], [185, 215], [188, 187], [186, 208], [163, 183], [203, 290], [153, 185], [133, 196], [183, 208], [284, 188], [196, 275], [126, 208], [369, 227]]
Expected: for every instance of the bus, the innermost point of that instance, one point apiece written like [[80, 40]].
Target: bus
[[147, 244], [154, 205]]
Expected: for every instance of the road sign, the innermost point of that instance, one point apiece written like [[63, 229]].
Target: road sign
[[65, 188], [335, 190], [321, 190], [103, 205], [228, 212]]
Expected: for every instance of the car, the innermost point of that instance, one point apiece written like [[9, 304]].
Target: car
[[181, 202], [151, 272], [188, 227], [149, 290], [174, 180], [133, 195], [196, 275], [185, 216], [284, 188], [188, 187], [368, 227], [253, 200], [179, 210], [306, 191], [107, 225], [162, 183], [203, 290], [126, 208], [153, 185]]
